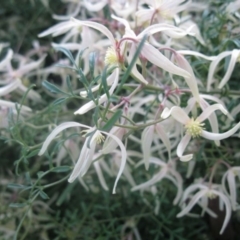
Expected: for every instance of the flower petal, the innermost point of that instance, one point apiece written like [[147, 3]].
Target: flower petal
[[193, 201], [233, 60], [146, 142], [155, 57], [209, 110], [177, 113], [56, 131], [227, 209], [164, 137], [213, 67], [96, 26], [156, 178], [123, 158], [181, 147], [60, 27], [220, 136], [10, 87], [100, 175]]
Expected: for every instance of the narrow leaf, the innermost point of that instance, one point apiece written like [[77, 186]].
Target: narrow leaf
[[110, 123], [61, 169], [52, 88]]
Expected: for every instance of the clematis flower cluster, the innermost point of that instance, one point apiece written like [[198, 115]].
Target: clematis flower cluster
[[145, 99]]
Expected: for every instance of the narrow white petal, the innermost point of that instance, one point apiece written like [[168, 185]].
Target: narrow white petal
[[63, 26], [192, 188], [170, 30], [178, 182], [146, 143], [191, 82], [155, 57], [90, 105], [10, 87], [232, 188], [181, 148], [233, 60], [96, 26], [78, 166], [209, 110], [164, 137], [193, 201], [220, 136], [197, 54], [31, 66], [88, 159], [156, 178], [227, 209], [123, 158], [190, 169], [177, 113], [212, 118], [7, 59], [100, 175], [213, 67], [69, 46], [56, 131], [110, 145], [13, 105]]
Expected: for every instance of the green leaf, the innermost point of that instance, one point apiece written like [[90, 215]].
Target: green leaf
[[104, 82], [129, 69], [69, 85], [52, 88], [40, 174], [61, 169], [68, 54], [59, 101], [96, 115], [64, 66], [110, 123], [33, 153], [82, 78], [92, 63], [17, 186], [17, 205], [43, 195]]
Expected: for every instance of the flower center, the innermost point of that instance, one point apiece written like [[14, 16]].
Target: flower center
[[99, 137], [238, 58], [211, 195], [194, 128], [111, 57]]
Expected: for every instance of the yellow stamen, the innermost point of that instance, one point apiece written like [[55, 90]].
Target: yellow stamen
[[111, 57], [194, 128], [99, 138]]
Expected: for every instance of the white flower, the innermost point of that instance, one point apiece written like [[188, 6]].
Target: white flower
[[86, 156], [213, 66], [202, 197], [147, 139], [13, 77], [160, 9], [229, 176], [194, 127], [167, 171]]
